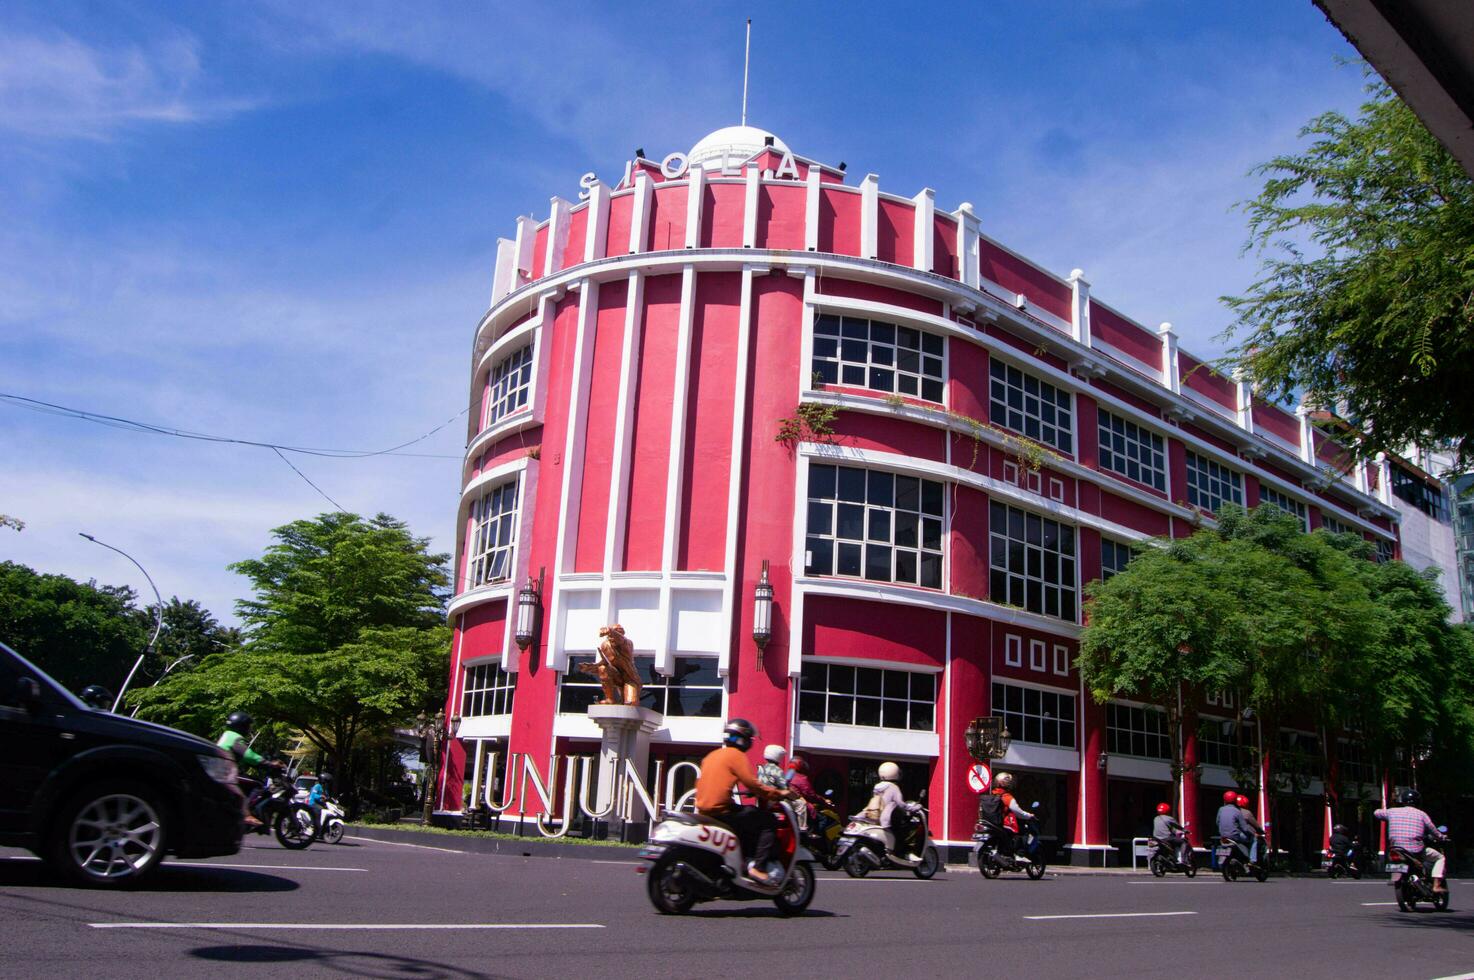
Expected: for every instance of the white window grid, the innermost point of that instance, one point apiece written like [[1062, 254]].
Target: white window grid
[[1056, 489], [494, 535], [1131, 451], [1036, 716], [507, 386], [1352, 764], [1061, 660], [1210, 484], [871, 697], [1385, 551], [1334, 525], [1137, 731], [1032, 562], [1037, 655], [488, 690], [693, 688], [1038, 409], [1013, 651], [887, 357], [1286, 503], [1216, 743], [1224, 698], [1114, 557], [876, 525]]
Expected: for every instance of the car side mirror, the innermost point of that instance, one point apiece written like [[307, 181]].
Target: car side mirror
[[28, 693]]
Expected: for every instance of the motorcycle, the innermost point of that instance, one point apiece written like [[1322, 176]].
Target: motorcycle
[[330, 828], [1233, 860], [1164, 860], [866, 846], [274, 803], [1411, 882], [1345, 863], [821, 837], [998, 850], [694, 858]]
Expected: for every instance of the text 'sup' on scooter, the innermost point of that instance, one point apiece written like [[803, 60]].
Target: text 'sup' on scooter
[[1412, 882], [1164, 859], [1233, 860], [694, 858], [867, 846], [998, 849]]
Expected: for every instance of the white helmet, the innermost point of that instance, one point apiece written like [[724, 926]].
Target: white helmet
[[775, 753], [889, 771]]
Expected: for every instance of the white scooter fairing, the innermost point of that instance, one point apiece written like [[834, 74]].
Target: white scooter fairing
[[866, 846]]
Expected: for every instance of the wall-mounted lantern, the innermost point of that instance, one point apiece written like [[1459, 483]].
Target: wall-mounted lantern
[[529, 611], [762, 614]]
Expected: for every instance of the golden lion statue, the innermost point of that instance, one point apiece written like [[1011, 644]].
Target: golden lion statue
[[615, 667]]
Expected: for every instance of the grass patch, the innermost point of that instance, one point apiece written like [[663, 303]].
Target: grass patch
[[487, 834]]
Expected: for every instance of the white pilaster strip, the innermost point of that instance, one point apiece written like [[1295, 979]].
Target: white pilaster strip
[[598, 227], [749, 208], [624, 427], [573, 443], [640, 212], [811, 211], [503, 276], [1244, 401], [695, 197], [676, 467], [526, 247], [797, 564], [733, 593], [1171, 371], [1080, 307], [969, 244], [1307, 433], [921, 235], [869, 216], [557, 236]]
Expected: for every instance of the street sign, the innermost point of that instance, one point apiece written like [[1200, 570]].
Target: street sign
[[979, 778]]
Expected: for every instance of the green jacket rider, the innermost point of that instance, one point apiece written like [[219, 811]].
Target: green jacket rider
[[237, 729]]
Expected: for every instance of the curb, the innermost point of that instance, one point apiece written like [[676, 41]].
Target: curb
[[524, 847]]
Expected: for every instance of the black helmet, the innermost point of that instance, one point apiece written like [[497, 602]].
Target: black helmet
[[1411, 797], [325, 778], [1339, 828], [239, 721], [97, 696], [739, 732]]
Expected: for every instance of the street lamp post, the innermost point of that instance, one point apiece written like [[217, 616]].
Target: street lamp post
[[187, 656], [158, 617]]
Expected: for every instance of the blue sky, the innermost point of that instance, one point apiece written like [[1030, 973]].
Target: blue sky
[[277, 221]]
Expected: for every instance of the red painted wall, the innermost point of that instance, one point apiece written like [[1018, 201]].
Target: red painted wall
[[895, 230], [709, 404], [598, 455], [667, 217], [853, 289], [621, 213], [1126, 336], [780, 217], [835, 627], [1016, 275], [722, 214], [650, 456], [839, 221]]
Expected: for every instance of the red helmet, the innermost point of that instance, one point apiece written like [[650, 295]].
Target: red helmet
[[1241, 800], [1230, 797], [1163, 808], [799, 763]]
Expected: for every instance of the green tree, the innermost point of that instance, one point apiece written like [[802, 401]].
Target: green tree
[[1365, 298], [78, 632]]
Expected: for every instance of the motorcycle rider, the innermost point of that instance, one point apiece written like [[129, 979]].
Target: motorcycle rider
[[1341, 842], [771, 772], [1170, 834], [1003, 788], [803, 787], [723, 770], [1408, 829], [318, 796], [1233, 824], [888, 808], [1255, 827], [234, 740]]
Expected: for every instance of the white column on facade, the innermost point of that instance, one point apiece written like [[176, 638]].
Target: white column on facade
[[1171, 375], [1307, 433], [922, 238], [733, 593], [1080, 307], [969, 244], [557, 235], [624, 428], [640, 212], [1384, 478], [597, 238], [1244, 398], [749, 207], [676, 468], [811, 210], [503, 275], [695, 198], [870, 216], [526, 248]]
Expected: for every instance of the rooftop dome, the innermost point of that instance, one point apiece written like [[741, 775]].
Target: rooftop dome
[[740, 142]]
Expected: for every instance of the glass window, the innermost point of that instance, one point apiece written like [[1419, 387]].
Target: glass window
[[488, 690], [872, 697], [1414, 490], [494, 534], [861, 353], [1023, 403], [1352, 764], [693, 689], [1032, 562], [1131, 451], [1114, 556], [1385, 550], [1210, 485], [1269, 495], [1137, 731], [1035, 716], [507, 386], [874, 525], [1334, 525], [1218, 743]]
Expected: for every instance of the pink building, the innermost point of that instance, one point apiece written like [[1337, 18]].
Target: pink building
[[1000, 437]]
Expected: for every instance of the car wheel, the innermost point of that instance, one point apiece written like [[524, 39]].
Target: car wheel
[[110, 836], [798, 890]]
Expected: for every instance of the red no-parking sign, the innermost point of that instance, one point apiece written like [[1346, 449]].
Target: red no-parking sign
[[979, 778]]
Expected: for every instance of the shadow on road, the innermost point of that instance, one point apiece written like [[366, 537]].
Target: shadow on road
[[350, 963], [20, 873], [762, 913], [1427, 918]]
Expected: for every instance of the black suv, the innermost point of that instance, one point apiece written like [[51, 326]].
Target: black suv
[[102, 797]]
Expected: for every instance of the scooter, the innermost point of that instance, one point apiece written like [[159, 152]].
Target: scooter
[[821, 837], [694, 858], [1344, 864], [1164, 860], [866, 846], [1410, 880], [1233, 860], [330, 827], [274, 804], [998, 850]]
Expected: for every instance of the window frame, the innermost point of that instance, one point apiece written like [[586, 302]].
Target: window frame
[[999, 409], [1019, 732], [500, 686], [833, 700], [1211, 475], [653, 682], [1149, 446], [840, 327], [881, 526], [1148, 737], [1065, 589], [1272, 497], [497, 406], [480, 553]]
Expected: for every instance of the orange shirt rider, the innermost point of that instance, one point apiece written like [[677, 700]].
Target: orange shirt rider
[[722, 771]]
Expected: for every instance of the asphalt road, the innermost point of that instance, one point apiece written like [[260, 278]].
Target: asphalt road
[[370, 908]]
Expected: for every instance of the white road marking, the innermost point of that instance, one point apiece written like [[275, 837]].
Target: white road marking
[[375, 926], [1369, 904], [1458, 976], [1105, 915], [396, 843]]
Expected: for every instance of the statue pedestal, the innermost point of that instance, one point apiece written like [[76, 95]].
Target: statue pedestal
[[627, 729]]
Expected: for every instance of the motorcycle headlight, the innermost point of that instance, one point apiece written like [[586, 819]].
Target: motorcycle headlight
[[664, 832], [218, 769]]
